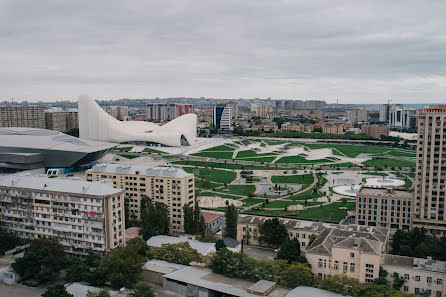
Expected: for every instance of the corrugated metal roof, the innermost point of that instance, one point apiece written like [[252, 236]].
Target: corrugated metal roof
[[141, 170]]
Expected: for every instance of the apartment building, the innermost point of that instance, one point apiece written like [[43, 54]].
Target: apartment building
[[296, 127], [61, 121], [421, 276], [387, 208], [402, 118], [83, 216], [375, 130], [357, 115], [333, 129], [248, 229], [118, 112], [169, 185], [430, 179], [22, 116], [167, 111], [348, 249], [261, 110]]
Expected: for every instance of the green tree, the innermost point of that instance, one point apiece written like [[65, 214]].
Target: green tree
[[226, 262], [296, 274], [290, 251], [231, 214], [273, 232], [101, 293], [179, 253], [9, 241], [122, 267], [220, 244], [142, 289], [44, 259], [56, 290], [139, 245], [340, 283], [155, 219], [398, 281], [312, 238], [188, 214]]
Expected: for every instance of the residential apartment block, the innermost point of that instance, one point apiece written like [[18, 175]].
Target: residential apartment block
[[83, 216], [261, 110], [22, 116], [169, 185], [248, 229], [348, 249], [430, 179], [164, 111], [333, 129], [421, 276], [61, 121], [375, 130], [357, 115], [387, 208]]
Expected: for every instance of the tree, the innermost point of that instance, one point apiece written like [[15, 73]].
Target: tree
[[73, 132], [9, 241], [122, 267], [398, 281], [340, 283], [44, 259], [102, 293], [273, 232], [220, 244], [193, 220], [139, 245], [290, 251], [296, 274], [312, 238], [142, 289], [179, 253], [188, 213], [231, 214], [155, 219], [57, 290], [226, 262]]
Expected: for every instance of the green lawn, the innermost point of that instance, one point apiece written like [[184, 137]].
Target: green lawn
[[218, 155], [301, 160], [350, 150], [205, 185], [219, 195], [398, 153], [274, 142], [129, 156], [260, 159], [410, 174], [153, 151], [375, 173], [407, 184], [251, 153], [344, 165], [220, 148], [215, 175], [309, 194], [123, 149], [168, 157], [251, 201], [327, 213], [283, 203], [189, 169], [385, 162], [223, 165], [293, 179], [243, 190]]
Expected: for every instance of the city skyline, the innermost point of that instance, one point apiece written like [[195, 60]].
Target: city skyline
[[351, 52]]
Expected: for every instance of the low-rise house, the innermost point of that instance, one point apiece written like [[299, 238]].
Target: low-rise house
[[348, 249], [213, 221]]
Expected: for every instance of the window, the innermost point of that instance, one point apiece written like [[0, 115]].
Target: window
[[417, 278], [406, 289], [406, 277], [336, 265], [352, 267], [439, 281], [352, 255], [319, 264], [345, 267], [429, 280]]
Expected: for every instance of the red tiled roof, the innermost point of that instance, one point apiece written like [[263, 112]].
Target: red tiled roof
[[209, 217]]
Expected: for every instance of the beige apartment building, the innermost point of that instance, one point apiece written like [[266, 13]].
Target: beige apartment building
[[333, 129], [22, 116], [375, 130], [169, 185], [61, 121], [261, 110], [387, 208], [348, 249], [83, 216], [420, 275], [248, 229], [357, 115], [430, 179]]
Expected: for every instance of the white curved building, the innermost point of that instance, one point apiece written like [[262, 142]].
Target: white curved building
[[96, 124]]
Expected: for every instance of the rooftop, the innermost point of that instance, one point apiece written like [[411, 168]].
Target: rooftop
[[394, 192], [311, 292], [415, 263], [162, 267], [141, 170], [367, 240], [81, 290], [209, 217], [64, 185], [289, 223], [203, 248]]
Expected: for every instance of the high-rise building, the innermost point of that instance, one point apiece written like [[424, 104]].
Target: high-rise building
[[169, 185], [430, 179], [61, 121], [357, 115], [384, 113], [402, 118], [165, 111], [118, 112], [261, 110], [300, 104], [83, 216], [22, 116], [221, 117]]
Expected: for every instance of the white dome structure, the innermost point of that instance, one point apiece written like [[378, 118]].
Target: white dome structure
[[96, 124]]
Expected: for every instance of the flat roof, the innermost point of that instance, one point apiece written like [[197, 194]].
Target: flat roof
[[141, 170], [395, 192], [64, 185], [415, 263], [162, 267], [312, 292]]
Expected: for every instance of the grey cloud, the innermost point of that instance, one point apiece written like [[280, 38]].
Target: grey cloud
[[354, 51]]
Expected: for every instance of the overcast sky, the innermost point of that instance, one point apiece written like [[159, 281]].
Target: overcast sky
[[354, 51]]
